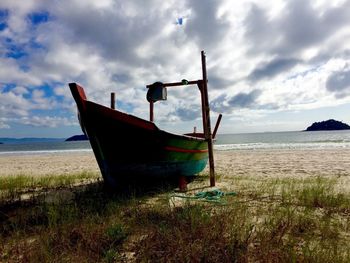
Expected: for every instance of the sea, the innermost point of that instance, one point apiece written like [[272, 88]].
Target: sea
[[224, 142]]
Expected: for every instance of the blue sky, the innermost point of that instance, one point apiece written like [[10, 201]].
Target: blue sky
[[273, 65]]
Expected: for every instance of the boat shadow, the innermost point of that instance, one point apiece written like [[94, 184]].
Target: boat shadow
[[97, 191], [38, 207]]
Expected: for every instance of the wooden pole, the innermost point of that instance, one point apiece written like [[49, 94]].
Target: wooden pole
[[113, 100], [151, 111], [217, 125], [204, 118], [207, 131]]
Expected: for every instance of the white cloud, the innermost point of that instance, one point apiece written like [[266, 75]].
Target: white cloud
[[40, 101], [46, 121], [19, 90], [11, 72], [279, 52], [13, 105]]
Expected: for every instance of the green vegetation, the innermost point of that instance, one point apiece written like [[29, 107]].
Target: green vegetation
[[18, 186], [279, 220]]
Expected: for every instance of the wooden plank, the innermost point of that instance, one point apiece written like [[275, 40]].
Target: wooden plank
[[173, 84]]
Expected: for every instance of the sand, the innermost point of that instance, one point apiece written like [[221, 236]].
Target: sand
[[271, 164], [284, 163], [47, 164], [261, 163]]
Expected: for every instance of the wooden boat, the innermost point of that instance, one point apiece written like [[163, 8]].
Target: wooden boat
[[127, 146]]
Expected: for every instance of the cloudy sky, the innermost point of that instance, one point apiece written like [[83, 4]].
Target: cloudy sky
[[273, 65]]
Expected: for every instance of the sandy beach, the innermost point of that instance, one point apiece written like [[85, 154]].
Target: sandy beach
[[284, 163], [299, 164], [262, 163], [47, 164]]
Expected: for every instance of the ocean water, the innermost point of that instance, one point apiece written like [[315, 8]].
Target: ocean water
[[284, 140], [44, 147], [245, 141]]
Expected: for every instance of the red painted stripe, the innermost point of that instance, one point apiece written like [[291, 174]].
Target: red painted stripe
[[181, 150]]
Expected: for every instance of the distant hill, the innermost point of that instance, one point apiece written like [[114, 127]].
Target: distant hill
[[29, 140], [328, 126], [77, 138]]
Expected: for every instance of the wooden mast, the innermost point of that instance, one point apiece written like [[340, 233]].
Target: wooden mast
[[206, 118]]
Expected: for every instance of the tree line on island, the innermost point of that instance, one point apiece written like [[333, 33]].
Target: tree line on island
[[328, 125]]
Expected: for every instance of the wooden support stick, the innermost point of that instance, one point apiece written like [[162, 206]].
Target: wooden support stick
[[217, 125], [207, 131], [113, 100], [151, 111]]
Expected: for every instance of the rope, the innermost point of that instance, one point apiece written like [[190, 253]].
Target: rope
[[214, 196]]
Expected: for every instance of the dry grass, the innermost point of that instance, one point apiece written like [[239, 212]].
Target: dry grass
[[270, 220]]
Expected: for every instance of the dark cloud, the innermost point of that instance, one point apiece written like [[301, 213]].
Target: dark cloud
[[272, 68], [121, 78], [114, 34], [334, 51], [339, 83], [187, 113], [244, 100], [257, 29], [299, 26], [219, 83], [225, 103], [269, 106], [204, 24], [220, 104]]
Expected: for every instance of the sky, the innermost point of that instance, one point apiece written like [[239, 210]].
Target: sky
[[273, 65]]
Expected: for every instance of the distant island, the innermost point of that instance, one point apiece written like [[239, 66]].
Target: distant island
[[82, 137], [1, 143], [328, 126]]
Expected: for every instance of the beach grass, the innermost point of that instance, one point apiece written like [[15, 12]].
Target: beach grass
[[268, 220], [15, 187]]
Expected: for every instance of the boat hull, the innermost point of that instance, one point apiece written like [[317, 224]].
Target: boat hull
[[127, 147]]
